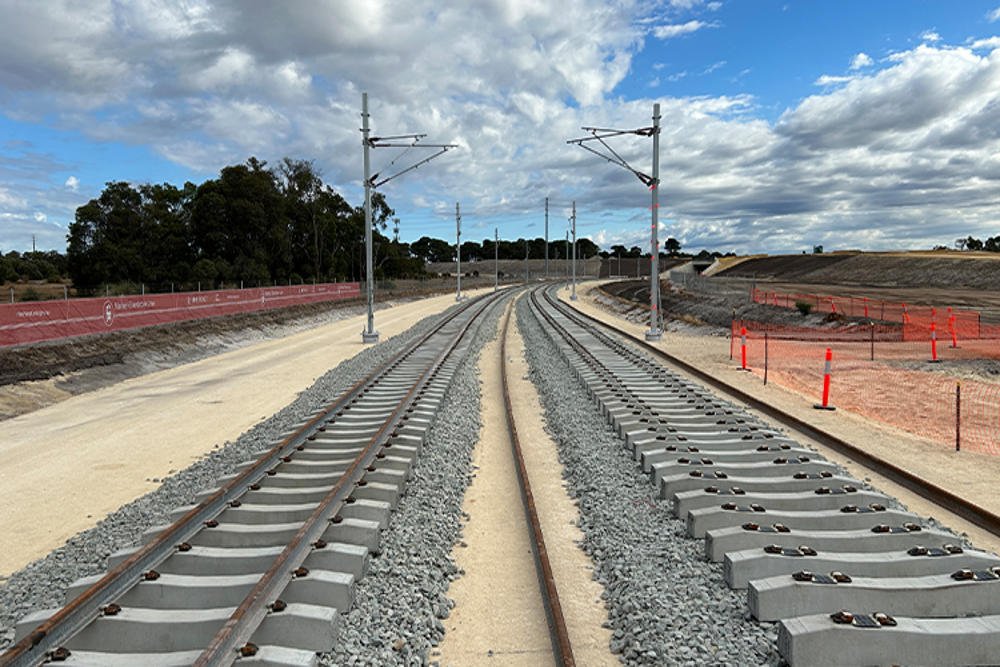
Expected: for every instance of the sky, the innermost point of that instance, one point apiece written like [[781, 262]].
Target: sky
[[787, 124]]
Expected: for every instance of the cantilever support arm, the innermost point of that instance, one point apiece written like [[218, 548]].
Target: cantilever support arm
[[444, 148]]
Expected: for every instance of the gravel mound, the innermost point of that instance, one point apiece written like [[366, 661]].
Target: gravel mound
[[42, 583], [667, 604]]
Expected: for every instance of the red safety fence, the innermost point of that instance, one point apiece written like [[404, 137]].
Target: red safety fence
[[878, 373], [914, 320], [35, 321]]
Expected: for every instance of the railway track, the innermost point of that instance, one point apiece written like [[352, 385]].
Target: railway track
[[849, 575], [562, 648], [260, 568]]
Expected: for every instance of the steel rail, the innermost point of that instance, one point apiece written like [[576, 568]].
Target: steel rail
[[235, 634], [37, 646], [561, 646], [946, 499]]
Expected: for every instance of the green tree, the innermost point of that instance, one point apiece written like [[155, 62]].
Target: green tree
[[241, 218], [432, 250], [586, 248], [472, 251], [105, 239]]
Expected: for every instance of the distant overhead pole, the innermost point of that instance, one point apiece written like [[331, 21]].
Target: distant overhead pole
[[496, 259], [572, 296], [599, 135], [546, 238], [458, 252], [373, 181], [525, 261], [566, 261]]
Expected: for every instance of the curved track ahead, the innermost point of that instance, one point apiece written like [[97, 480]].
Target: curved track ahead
[[851, 577]]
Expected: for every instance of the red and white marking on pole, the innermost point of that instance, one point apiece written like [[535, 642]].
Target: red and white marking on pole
[[825, 405]]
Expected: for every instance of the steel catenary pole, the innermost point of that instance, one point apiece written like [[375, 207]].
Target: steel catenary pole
[[458, 252], [369, 335], [573, 295]]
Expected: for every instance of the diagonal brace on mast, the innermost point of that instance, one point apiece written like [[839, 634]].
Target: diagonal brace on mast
[[600, 134], [386, 142]]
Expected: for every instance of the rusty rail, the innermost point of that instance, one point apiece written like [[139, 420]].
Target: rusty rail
[[559, 635]]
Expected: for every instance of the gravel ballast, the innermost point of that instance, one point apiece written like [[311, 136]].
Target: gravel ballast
[[399, 606], [42, 583], [667, 604]]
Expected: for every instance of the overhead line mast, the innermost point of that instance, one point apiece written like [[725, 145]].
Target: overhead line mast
[[546, 238], [652, 182], [373, 181], [458, 252]]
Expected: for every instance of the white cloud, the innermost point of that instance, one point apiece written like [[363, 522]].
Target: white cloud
[[902, 155], [830, 80], [40, 217], [10, 201], [677, 29], [993, 16], [714, 66], [861, 60], [930, 36], [986, 43]]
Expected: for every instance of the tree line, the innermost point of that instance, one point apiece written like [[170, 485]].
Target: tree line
[[46, 265], [253, 225], [992, 244], [438, 250]]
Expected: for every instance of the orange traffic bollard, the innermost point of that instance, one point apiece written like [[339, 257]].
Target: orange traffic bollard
[[825, 405], [743, 349], [934, 357]]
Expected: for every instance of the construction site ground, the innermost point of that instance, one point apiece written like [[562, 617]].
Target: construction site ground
[[970, 475], [37, 376]]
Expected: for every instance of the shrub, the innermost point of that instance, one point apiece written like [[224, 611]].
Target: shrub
[[804, 307]]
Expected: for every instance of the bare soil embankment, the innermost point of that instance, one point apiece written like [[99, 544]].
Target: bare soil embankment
[[944, 270]]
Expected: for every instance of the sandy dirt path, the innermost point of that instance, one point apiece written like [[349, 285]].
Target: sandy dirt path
[[498, 617], [66, 466], [970, 475]]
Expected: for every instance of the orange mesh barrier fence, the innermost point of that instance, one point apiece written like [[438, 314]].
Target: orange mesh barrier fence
[[877, 373], [915, 320]]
